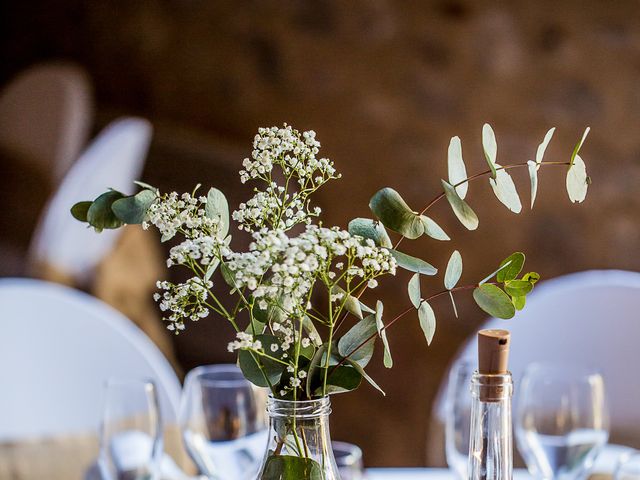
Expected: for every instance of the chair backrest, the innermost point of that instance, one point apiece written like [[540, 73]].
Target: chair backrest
[[588, 318], [46, 113], [57, 348], [114, 160]]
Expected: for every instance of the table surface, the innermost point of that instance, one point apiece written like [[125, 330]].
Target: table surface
[[424, 473]]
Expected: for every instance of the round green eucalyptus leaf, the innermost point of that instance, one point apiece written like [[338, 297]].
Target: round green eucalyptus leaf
[[250, 363], [427, 318], [519, 302], [505, 190], [432, 229], [454, 270], [371, 229], [577, 180], [460, 208], [80, 210], [413, 289], [413, 264], [100, 215], [494, 301], [518, 288], [394, 213], [133, 209], [340, 379], [359, 333], [514, 264], [290, 467]]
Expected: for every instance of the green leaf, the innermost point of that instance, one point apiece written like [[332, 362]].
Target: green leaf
[[578, 146], [454, 270], [388, 361], [427, 318], [80, 210], [366, 376], [519, 302], [533, 177], [414, 290], [518, 288], [355, 337], [367, 228], [314, 366], [100, 215], [577, 180], [340, 379], [311, 330], [146, 186], [351, 303], [290, 467], [133, 209], [218, 207], [465, 214], [505, 190], [249, 362], [212, 267], [394, 213], [456, 169], [413, 264], [494, 301], [515, 263], [490, 147], [228, 275], [432, 229], [532, 277], [543, 147], [453, 304]]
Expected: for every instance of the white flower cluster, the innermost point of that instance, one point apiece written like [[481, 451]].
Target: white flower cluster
[[184, 213], [295, 155], [183, 300], [244, 341], [205, 249]]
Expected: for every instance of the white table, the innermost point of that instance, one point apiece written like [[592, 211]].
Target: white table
[[425, 474]]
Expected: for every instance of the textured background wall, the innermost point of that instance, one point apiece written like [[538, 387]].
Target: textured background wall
[[385, 85]]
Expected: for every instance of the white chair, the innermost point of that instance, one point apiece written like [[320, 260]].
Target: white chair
[[45, 116], [57, 348], [114, 160], [589, 318]]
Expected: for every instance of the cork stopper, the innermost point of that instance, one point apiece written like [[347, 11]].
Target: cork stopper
[[493, 359]]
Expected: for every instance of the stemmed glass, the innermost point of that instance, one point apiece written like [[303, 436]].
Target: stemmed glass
[[131, 431], [562, 420], [458, 417], [223, 422], [349, 460]]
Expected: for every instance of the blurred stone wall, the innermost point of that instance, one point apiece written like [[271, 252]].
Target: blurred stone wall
[[385, 84]]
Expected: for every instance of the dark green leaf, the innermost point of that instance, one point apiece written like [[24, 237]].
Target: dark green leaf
[[427, 318], [454, 270], [371, 229], [465, 214], [494, 301], [366, 376], [218, 207], [413, 264], [432, 229], [250, 363], [518, 288], [100, 215], [414, 290], [355, 337], [340, 379], [133, 210], [228, 275], [394, 213], [314, 368], [80, 210], [289, 467], [511, 271]]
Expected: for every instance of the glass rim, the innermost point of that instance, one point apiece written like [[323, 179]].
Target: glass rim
[[353, 452], [200, 373]]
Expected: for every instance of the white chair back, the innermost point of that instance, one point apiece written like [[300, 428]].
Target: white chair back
[[57, 348], [46, 113], [589, 318], [114, 160]]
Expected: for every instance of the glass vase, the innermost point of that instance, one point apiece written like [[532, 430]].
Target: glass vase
[[299, 446]]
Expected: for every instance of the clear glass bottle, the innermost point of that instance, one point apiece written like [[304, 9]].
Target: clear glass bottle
[[491, 442], [299, 445]]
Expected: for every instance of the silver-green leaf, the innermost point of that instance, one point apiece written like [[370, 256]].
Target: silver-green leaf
[[351, 303], [490, 147], [413, 264], [432, 229], [414, 290], [533, 177], [352, 344], [454, 270], [494, 301], [456, 168], [371, 229], [217, 207], [366, 376], [388, 361], [505, 190], [394, 213], [578, 146], [543, 146], [460, 208], [427, 318], [577, 180]]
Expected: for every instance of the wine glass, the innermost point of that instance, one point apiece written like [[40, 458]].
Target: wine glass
[[223, 422], [458, 417], [131, 431], [349, 460], [562, 420]]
